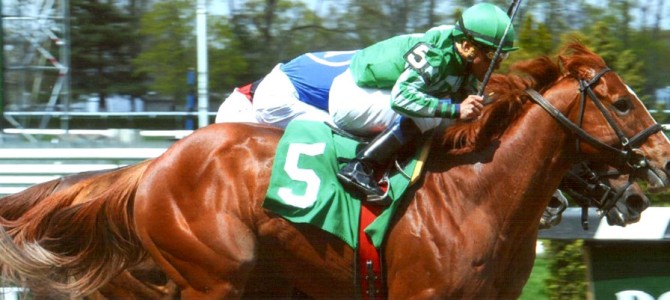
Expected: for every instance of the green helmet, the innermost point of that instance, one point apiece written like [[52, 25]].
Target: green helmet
[[486, 23]]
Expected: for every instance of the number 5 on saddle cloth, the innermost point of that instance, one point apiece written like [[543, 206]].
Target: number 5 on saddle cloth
[[304, 187]]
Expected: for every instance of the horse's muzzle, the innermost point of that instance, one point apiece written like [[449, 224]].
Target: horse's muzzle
[[629, 210]]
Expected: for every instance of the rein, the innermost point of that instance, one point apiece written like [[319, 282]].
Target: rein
[[626, 156]]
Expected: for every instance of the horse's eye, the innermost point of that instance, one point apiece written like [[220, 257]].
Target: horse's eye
[[622, 105]]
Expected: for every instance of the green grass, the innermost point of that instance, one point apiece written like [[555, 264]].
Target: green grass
[[535, 287]]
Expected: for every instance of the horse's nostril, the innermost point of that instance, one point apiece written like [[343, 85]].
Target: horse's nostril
[[667, 168], [636, 203]]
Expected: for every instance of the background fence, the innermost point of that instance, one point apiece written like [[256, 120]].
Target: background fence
[[23, 167]]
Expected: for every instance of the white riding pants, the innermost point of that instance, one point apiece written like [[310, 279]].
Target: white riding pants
[[236, 108], [366, 111]]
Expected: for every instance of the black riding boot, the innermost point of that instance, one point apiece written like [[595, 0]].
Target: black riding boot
[[359, 173]]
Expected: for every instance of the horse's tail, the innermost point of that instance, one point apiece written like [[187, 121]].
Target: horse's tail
[[78, 238], [15, 205]]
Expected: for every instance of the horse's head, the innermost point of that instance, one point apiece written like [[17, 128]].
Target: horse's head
[[609, 122], [616, 196]]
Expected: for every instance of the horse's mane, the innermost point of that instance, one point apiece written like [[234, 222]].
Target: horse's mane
[[507, 93]]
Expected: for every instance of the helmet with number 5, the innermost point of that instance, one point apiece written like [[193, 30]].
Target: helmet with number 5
[[485, 23]]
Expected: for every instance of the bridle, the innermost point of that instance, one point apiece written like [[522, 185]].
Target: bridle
[[627, 155]]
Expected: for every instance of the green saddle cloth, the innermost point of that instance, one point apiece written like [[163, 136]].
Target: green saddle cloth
[[304, 186]]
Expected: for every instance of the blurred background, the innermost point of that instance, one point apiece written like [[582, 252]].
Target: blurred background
[[86, 74], [103, 57]]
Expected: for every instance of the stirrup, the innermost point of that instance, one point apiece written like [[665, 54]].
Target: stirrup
[[358, 175], [351, 186], [383, 200]]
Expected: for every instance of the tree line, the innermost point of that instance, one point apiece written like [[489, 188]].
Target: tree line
[[141, 45]]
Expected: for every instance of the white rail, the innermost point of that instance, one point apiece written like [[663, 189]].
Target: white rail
[[60, 154], [22, 167], [120, 134]]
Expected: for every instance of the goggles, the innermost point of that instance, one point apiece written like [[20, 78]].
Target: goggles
[[490, 53]]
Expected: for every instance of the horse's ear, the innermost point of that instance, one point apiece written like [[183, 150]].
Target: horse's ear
[[542, 70], [571, 65], [581, 71], [562, 61], [568, 67]]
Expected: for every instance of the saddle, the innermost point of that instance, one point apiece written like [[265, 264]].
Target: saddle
[[304, 189]]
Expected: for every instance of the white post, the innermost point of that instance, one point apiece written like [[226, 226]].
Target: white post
[[203, 97], [11, 293]]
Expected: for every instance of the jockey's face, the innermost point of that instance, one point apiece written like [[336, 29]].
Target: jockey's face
[[479, 57], [482, 60]]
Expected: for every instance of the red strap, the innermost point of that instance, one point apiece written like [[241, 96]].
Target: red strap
[[368, 256]]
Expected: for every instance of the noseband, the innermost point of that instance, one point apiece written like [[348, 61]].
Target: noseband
[[626, 155]]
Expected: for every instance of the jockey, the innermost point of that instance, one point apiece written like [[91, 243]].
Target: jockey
[[299, 89], [427, 79]]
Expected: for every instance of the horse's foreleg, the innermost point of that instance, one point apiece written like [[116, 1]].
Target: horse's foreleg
[[514, 274]]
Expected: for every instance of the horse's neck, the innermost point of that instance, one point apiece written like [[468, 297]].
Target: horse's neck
[[512, 181], [535, 156]]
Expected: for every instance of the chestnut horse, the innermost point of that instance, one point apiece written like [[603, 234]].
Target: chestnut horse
[[147, 281], [583, 183], [467, 230]]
